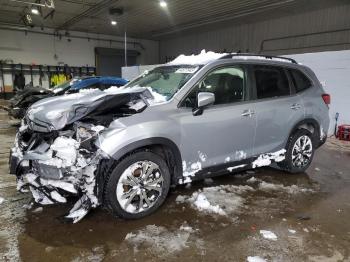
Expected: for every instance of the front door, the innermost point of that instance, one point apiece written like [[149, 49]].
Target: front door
[[224, 132]]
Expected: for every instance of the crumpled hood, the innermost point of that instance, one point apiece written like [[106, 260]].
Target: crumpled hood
[[55, 113]]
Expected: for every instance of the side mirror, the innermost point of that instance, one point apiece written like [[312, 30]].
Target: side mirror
[[203, 99]]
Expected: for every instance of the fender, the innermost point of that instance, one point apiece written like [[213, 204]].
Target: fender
[[151, 142], [314, 123]]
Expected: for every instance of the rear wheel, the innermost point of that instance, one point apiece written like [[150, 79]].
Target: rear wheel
[[137, 186], [300, 152]]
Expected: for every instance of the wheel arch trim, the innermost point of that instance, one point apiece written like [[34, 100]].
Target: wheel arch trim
[[162, 141]]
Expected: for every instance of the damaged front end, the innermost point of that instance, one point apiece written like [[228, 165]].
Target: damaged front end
[[55, 154], [56, 165]]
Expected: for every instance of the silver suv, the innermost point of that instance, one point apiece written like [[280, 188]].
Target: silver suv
[[195, 117]]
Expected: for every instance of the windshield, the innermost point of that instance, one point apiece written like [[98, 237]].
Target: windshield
[[165, 80]]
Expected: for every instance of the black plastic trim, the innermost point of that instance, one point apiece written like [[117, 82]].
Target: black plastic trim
[[151, 142]]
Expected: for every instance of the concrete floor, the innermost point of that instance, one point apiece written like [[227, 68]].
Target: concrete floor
[[309, 214]]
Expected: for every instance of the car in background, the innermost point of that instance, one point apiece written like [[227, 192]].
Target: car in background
[[29, 95]]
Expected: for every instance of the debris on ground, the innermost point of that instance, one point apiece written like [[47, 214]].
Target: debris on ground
[[255, 259], [292, 231], [268, 235], [38, 210]]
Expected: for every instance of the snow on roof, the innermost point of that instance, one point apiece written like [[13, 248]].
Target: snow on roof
[[206, 57], [200, 59]]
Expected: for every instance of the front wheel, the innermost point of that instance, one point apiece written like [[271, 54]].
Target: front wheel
[[300, 152], [137, 186]]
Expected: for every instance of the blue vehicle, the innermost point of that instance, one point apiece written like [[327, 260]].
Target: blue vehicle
[[28, 96], [100, 82]]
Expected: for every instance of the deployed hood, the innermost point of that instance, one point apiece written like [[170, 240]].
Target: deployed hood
[[55, 113]]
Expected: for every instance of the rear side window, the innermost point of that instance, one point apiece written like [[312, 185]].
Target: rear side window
[[300, 81], [271, 81]]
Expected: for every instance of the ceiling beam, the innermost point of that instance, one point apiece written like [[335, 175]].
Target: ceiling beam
[[93, 10]]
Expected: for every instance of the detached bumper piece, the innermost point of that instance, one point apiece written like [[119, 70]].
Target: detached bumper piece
[[55, 170], [48, 192]]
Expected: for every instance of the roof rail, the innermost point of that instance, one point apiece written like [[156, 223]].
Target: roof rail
[[259, 55]]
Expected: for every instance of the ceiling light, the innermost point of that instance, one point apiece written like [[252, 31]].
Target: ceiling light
[[113, 22], [163, 4], [35, 10]]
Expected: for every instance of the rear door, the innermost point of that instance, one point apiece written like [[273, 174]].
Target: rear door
[[277, 108]]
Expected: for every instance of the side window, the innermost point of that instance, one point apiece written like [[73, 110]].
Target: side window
[[228, 85], [300, 81], [271, 81]]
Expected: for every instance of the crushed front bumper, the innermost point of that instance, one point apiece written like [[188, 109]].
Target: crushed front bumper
[[53, 172]]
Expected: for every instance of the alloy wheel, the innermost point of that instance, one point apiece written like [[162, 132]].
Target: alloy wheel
[[302, 151], [140, 186]]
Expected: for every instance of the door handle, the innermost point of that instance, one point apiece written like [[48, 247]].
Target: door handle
[[248, 113], [295, 106]]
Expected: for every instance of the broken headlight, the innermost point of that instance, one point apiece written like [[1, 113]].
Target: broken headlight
[[86, 134]]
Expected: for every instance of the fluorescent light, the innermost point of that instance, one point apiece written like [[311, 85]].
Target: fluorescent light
[[113, 22], [163, 4], [34, 10]]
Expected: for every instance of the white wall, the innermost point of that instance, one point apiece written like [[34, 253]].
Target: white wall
[[40, 49], [131, 72], [333, 71]]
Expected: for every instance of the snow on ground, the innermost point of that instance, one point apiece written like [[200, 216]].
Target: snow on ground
[[1, 200], [292, 231], [160, 240], [255, 259], [268, 235], [223, 200], [293, 189], [228, 200]]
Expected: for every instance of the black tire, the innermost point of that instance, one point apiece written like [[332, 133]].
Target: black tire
[[287, 164], [110, 197]]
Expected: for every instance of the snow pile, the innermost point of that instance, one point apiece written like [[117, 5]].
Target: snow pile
[[202, 156], [253, 180], [255, 259], [1, 200], [202, 204], [65, 151], [239, 155], [268, 235], [160, 240], [157, 98], [293, 189], [223, 200], [189, 171], [200, 59], [266, 159], [230, 169], [88, 90]]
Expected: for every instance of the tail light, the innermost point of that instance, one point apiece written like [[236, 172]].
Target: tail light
[[327, 99]]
